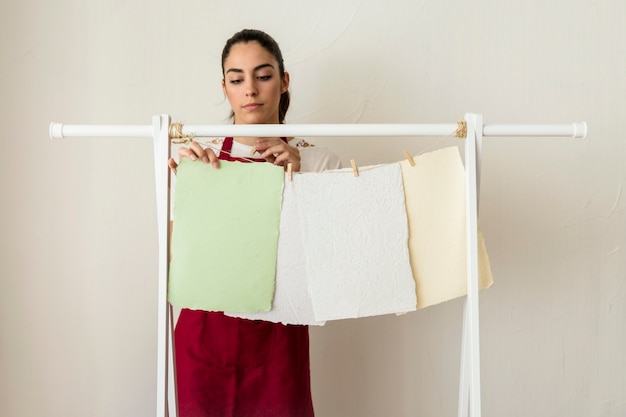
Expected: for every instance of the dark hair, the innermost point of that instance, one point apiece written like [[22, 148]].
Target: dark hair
[[269, 44]]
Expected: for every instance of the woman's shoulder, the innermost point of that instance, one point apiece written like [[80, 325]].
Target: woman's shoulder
[[315, 158]]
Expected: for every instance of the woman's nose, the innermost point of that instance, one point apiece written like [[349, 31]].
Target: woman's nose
[[251, 89]]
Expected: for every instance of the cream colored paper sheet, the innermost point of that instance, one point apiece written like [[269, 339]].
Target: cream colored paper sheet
[[435, 201]]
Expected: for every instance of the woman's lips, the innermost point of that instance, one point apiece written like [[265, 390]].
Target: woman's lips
[[252, 106]]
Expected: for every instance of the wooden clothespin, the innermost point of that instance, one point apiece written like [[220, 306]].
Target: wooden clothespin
[[289, 172], [409, 158], [354, 168]]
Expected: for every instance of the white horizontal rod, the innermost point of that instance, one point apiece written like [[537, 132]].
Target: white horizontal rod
[[60, 130], [289, 130], [576, 130]]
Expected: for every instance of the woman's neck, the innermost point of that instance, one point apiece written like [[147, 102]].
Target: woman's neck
[[250, 141]]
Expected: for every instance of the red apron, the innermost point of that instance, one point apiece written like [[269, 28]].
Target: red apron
[[231, 367]]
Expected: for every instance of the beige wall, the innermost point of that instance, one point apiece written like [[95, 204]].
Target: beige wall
[[78, 237]]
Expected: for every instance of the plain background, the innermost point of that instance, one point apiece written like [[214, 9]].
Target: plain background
[[78, 225]]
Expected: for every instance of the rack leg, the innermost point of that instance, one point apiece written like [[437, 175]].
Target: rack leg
[[161, 144], [464, 383], [469, 389]]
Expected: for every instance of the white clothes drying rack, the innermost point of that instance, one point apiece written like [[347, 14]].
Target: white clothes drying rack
[[473, 130]]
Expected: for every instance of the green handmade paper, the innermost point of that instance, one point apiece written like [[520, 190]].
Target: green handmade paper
[[225, 236]]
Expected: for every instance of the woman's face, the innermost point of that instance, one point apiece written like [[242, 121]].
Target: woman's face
[[252, 83]]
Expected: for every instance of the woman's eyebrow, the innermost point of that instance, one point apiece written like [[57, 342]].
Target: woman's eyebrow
[[258, 67]]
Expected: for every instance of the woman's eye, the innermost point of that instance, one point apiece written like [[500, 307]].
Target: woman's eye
[[264, 77], [236, 81]]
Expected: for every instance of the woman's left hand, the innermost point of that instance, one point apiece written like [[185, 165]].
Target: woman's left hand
[[278, 152]]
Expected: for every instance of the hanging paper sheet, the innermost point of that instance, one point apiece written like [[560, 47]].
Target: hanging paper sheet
[[435, 203], [292, 301], [355, 241], [225, 236]]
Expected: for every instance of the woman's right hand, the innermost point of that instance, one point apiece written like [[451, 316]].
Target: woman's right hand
[[193, 152]]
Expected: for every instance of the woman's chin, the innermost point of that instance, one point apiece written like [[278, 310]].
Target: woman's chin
[[256, 119]]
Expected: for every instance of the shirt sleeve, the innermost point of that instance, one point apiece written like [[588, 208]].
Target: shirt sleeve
[[317, 159]]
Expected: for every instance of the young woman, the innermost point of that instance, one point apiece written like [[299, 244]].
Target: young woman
[[235, 367]]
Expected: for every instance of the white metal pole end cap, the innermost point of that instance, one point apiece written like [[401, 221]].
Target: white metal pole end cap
[[580, 130], [56, 130]]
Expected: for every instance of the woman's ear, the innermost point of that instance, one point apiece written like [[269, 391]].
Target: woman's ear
[[285, 84], [224, 87]]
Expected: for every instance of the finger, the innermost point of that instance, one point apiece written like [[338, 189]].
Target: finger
[[284, 149], [195, 151], [212, 158], [283, 158], [270, 158], [205, 155], [198, 151], [187, 153], [287, 158], [279, 148], [262, 144], [172, 164]]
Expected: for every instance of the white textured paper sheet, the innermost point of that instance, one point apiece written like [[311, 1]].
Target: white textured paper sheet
[[355, 238]]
